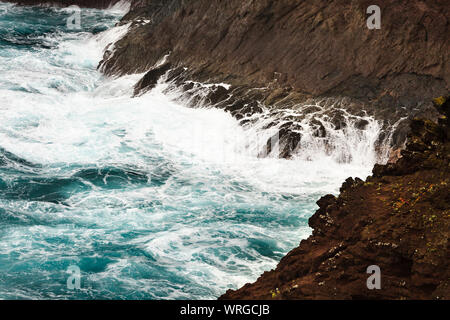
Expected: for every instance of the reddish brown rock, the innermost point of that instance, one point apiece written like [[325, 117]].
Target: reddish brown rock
[[399, 220]]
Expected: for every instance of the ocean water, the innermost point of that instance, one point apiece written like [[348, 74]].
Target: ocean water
[[148, 198]]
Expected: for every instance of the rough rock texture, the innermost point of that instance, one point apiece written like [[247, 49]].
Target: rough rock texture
[[398, 219], [288, 51], [82, 3]]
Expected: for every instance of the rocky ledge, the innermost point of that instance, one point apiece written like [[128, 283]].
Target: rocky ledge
[[398, 219]]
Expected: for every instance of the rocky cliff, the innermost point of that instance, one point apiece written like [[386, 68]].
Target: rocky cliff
[[398, 220], [288, 54]]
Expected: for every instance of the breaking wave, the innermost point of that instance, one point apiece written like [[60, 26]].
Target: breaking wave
[[149, 198]]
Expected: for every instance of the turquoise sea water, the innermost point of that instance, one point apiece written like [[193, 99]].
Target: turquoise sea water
[[150, 199]]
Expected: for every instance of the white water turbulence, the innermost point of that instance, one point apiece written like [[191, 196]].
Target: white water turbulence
[[149, 198]]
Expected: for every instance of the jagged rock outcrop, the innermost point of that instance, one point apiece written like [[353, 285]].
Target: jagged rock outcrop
[[398, 219]]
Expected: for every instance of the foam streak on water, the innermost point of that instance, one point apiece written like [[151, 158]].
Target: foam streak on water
[[152, 200]]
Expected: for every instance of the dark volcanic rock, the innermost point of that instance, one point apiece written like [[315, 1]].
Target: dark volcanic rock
[[397, 219]]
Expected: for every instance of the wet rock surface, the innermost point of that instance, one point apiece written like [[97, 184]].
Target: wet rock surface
[[280, 54], [398, 219]]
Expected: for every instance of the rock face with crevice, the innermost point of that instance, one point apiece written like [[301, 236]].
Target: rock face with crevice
[[398, 219]]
